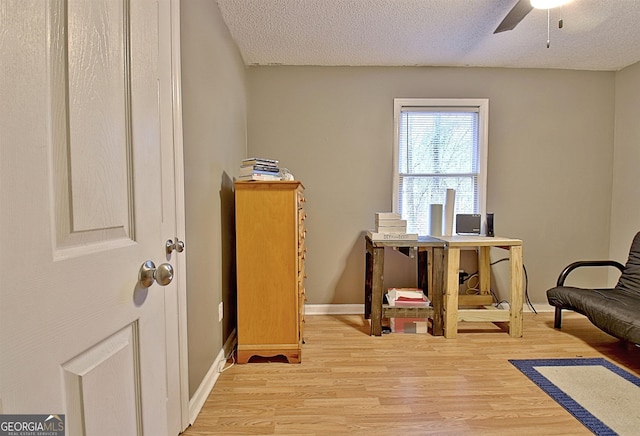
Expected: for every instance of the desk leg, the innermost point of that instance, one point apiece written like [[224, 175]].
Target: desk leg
[[484, 270], [436, 292], [451, 293], [376, 291], [368, 279], [425, 267], [516, 292]]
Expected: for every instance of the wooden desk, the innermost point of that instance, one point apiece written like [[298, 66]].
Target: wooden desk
[[452, 260], [433, 250]]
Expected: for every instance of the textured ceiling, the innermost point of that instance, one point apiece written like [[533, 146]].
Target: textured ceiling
[[597, 34]]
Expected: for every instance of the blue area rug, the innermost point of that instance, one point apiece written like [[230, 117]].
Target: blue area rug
[[590, 405]]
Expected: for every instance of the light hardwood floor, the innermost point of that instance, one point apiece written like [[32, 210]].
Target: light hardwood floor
[[406, 384]]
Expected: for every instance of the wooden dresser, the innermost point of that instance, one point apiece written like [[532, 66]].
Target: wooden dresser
[[270, 256]]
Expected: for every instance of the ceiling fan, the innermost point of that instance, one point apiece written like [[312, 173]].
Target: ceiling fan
[[522, 8]]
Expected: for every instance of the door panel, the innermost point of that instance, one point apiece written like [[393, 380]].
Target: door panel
[[91, 125], [114, 362], [99, 105]]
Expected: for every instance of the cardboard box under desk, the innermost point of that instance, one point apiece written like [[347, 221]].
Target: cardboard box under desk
[[409, 325]]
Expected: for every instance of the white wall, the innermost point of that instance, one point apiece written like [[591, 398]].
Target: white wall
[[214, 123], [550, 160], [625, 200]]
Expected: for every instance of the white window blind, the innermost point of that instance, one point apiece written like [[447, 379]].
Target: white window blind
[[438, 147]]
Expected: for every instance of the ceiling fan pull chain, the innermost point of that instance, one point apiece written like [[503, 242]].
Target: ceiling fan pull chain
[[561, 20], [548, 21]]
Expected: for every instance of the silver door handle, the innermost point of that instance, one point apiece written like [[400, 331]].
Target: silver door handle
[[177, 246], [149, 273]]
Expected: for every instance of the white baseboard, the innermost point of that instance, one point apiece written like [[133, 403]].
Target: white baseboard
[[208, 382], [358, 309], [333, 309]]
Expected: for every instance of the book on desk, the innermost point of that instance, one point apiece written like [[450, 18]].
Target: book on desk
[[392, 236], [390, 227]]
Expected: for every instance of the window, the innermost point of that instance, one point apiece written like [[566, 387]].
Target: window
[[439, 144]]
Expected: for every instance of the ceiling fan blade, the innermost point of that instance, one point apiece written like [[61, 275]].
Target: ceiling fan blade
[[515, 15]]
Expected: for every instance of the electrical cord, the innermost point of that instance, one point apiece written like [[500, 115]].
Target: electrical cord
[[495, 297], [472, 289], [222, 368], [498, 303], [526, 290]]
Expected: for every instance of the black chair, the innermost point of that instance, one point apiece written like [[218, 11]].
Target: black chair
[[615, 311]]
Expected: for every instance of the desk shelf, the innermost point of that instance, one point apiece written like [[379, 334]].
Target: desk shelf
[[406, 312], [434, 265]]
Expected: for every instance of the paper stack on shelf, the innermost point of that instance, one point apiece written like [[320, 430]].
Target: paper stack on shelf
[[391, 227], [259, 169], [407, 297]]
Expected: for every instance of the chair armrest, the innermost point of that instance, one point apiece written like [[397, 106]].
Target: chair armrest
[[584, 263]]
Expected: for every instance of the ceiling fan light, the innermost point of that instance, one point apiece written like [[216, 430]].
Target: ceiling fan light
[[548, 4]]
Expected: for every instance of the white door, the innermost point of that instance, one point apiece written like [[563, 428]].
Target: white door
[[82, 207]]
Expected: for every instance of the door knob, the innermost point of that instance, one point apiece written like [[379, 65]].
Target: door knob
[[164, 274], [149, 273], [177, 246]]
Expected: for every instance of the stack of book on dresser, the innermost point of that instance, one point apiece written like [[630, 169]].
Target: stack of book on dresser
[[391, 227], [259, 169]]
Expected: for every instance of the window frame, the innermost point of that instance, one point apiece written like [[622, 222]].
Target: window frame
[[481, 105]]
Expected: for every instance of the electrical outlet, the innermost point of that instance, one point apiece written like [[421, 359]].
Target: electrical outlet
[[220, 311]]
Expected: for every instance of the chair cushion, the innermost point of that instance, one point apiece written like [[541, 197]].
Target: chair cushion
[[630, 279], [615, 311]]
